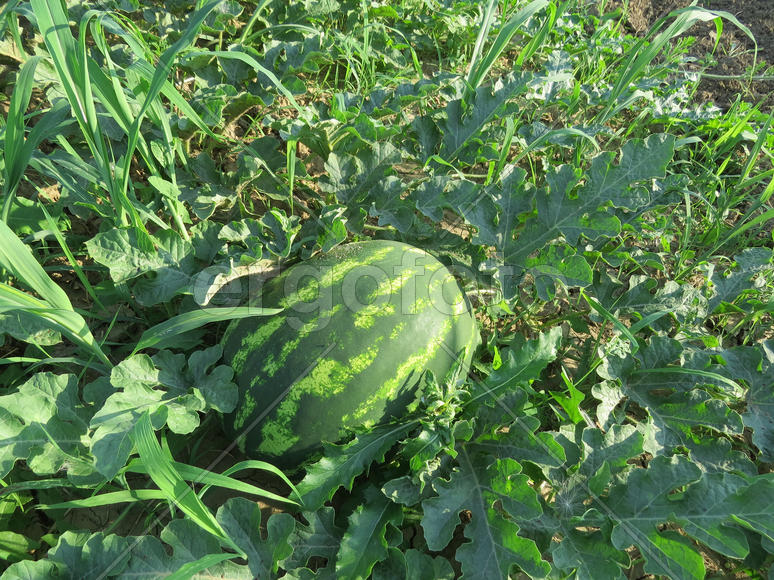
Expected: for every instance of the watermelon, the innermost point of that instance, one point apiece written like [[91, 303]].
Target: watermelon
[[359, 327]]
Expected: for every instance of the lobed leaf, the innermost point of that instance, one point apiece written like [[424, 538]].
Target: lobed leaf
[[364, 542], [485, 487], [241, 521], [340, 464]]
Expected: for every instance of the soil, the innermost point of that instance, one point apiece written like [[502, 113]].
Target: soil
[[735, 55]]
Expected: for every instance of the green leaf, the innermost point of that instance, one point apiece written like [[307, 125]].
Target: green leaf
[[523, 362], [404, 490], [392, 566], [360, 179], [497, 497], [167, 389], [55, 310], [479, 67], [709, 508], [364, 543], [642, 503], [571, 210], [609, 395], [111, 443], [241, 521], [755, 365], [107, 499], [163, 273], [278, 232], [514, 196], [214, 384], [32, 570], [715, 455], [15, 547], [340, 464], [521, 442], [682, 302], [477, 206], [189, 541], [613, 448], [750, 262], [558, 264], [465, 119], [190, 544], [320, 538], [421, 566], [67, 322], [135, 370], [91, 555], [12, 446], [388, 205], [208, 479], [164, 474], [44, 424], [590, 555], [164, 332]]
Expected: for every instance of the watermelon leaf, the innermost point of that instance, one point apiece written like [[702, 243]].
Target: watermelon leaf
[[173, 391], [342, 463], [749, 263], [91, 555], [424, 567], [240, 519], [642, 503], [755, 365], [44, 424], [159, 275], [497, 496], [564, 212], [320, 538], [364, 543], [465, 119], [523, 362], [590, 555]]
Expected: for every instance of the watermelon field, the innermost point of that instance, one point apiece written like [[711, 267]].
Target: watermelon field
[[409, 289]]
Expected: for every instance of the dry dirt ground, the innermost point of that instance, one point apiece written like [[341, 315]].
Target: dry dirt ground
[[735, 54]]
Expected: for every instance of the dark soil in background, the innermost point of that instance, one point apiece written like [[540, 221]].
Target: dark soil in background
[[735, 53]]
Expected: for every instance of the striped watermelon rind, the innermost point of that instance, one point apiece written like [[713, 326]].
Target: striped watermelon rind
[[360, 324]]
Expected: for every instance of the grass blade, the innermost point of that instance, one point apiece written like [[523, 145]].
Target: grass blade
[[209, 479], [752, 158], [191, 569], [643, 53], [619, 326], [14, 132], [70, 59], [738, 390], [70, 257], [263, 466], [161, 469], [160, 76], [54, 308], [18, 150], [194, 319], [483, 32], [479, 69], [67, 322], [106, 499], [16, 258]]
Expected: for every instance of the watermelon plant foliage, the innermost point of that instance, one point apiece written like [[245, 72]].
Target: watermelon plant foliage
[[162, 165]]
